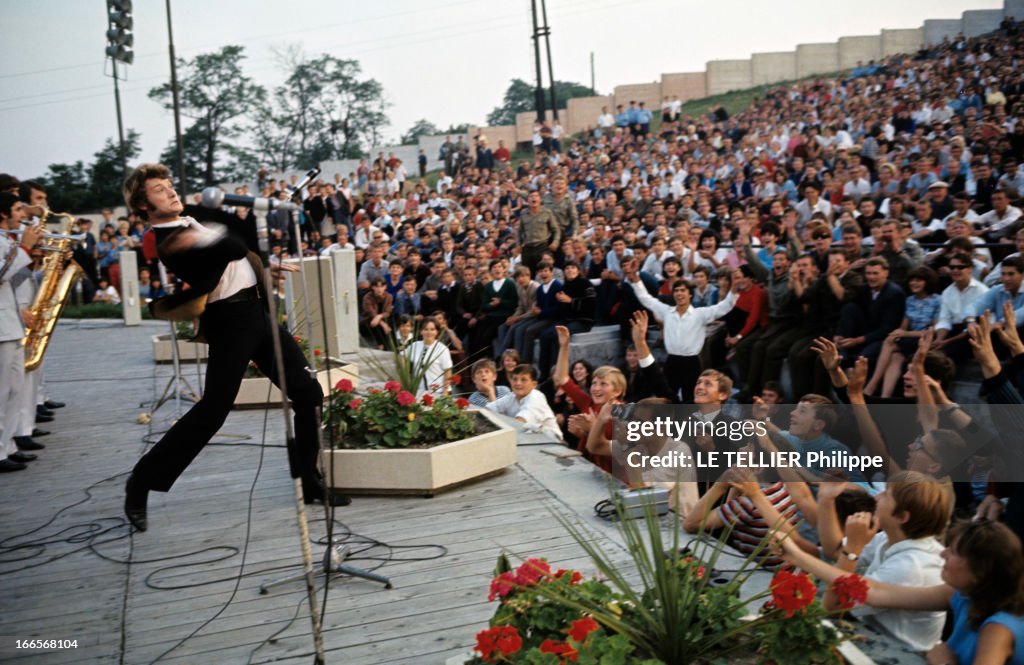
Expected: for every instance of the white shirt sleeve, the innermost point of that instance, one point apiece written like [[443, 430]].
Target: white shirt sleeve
[[649, 301]]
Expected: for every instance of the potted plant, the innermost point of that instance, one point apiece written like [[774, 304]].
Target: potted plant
[[388, 440], [679, 612]]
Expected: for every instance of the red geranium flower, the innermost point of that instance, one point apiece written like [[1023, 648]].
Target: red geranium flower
[[428, 400], [392, 386], [504, 640], [792, 592], [374, 391], [462, 402], [574, 579], [457, 379], [502, 585], [344, 386], [560, 649], [581, 628], [355, 404], [850, 590], [316, 352], [530, 572], [405, 398]]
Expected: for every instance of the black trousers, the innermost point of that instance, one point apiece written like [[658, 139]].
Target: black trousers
[[237, 333], [682, 373]]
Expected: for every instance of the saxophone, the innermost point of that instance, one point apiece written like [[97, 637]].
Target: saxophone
[[59, 275]]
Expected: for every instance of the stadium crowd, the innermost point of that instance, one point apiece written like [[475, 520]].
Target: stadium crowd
[[863, 231]]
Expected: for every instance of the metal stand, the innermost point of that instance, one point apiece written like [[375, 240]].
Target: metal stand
[[175, 383], [333, 564]]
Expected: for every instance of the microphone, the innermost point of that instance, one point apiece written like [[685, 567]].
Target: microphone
[[214, 197], [296, 190]]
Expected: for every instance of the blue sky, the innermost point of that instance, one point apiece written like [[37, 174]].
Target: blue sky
[[448, 61]]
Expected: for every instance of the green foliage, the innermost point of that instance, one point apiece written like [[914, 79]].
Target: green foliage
[[393, 418], [97, 310], [519, 97], [214, 92], [324, 110], [675, 615], [419, 128], [78, 188]]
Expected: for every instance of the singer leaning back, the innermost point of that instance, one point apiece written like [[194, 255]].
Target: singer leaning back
[[226, 293]]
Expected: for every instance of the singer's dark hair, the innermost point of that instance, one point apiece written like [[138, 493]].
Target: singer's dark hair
[[135, 185]]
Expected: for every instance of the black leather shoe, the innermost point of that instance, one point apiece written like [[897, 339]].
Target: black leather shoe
[[44, 419], [40, 432], [7, 465], [53, 404], [43, 411], [26, 443], [22, 457], [317, 496], [135, 504]]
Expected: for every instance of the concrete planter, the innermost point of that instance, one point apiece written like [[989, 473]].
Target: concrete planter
[[253, 392], [187, 351], [423, 471]]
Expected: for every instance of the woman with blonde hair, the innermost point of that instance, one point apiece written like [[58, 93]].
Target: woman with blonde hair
[[607, 384]]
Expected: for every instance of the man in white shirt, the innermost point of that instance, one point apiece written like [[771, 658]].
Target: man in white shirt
[[813, 203], [998, 223], [527, 404], [859, 185], [685, 329], [957, 300]]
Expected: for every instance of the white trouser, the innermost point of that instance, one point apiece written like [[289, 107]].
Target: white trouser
[[12, 379], [27, 397]]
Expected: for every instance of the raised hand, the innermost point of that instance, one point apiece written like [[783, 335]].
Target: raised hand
[[857, 377], [827, 351], [563, 335]]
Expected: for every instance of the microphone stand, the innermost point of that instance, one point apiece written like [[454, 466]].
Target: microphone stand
[[260, 207], [175, 382], [334, 556]]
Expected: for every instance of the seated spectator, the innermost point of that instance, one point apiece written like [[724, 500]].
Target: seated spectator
[[877, 311], [527, 404], [404, 333], [485, 374], [376, 311], [106, 293], [409, 302], [705, 293], [509, 361], [921, 314]]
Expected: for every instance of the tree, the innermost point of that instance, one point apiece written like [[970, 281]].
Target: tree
[[418, 129], [324, 110], [105, 174], [519, 98], [213, 91], [79, 188]]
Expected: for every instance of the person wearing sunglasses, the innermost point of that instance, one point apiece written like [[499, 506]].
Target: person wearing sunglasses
[[957, 299]]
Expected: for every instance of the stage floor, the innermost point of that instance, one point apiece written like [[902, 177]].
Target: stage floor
[[71, 591]]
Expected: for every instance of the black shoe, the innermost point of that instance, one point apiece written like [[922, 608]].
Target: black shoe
[[26, 443], [22, 457], [317, 496], [135, 504], [44, 419], [52, 404], [43, 411], [8, 465], [40, 432]]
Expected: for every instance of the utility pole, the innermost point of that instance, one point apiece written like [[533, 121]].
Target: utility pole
[[592, 86], [547, 44], [538, 93], [182, 180]]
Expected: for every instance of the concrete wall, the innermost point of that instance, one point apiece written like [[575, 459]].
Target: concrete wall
[[816, 59], [432, 147], [648, 93], [688, 85], [582, 112], [979, 21], [938, 29], [506, 133], [772, 67], [902, 41], [727, 75], [524, 125], [862, 48]]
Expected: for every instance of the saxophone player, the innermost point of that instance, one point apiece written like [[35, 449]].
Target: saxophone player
[[13, 258]]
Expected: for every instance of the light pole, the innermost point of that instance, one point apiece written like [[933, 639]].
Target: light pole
[[119, 49]]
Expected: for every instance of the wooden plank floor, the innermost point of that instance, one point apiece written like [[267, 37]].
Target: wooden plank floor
[[62, 560]]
